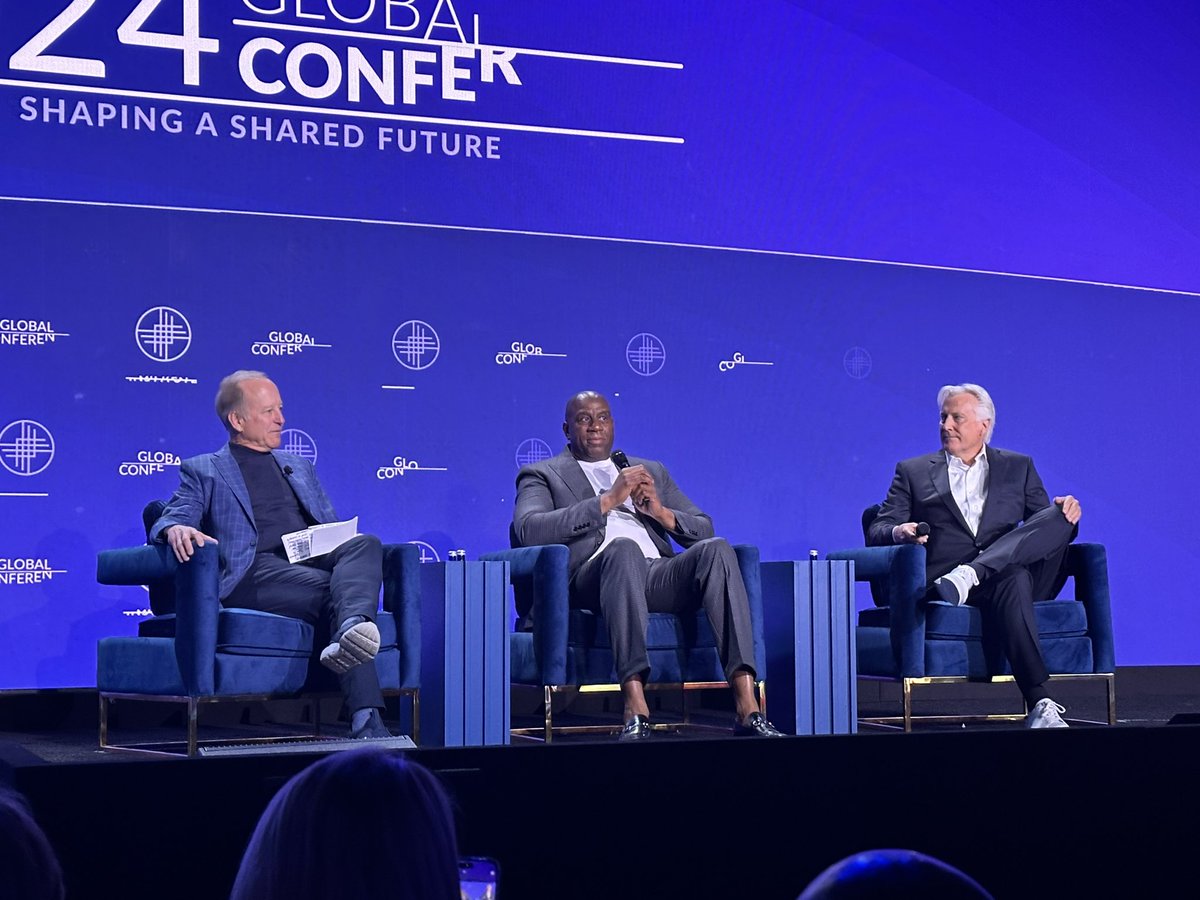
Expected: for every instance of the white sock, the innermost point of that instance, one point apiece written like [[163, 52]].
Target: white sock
[[963, 578]]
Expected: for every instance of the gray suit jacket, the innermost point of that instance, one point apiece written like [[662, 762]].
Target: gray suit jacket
[[557, 505], [212, 496], [920, 492]]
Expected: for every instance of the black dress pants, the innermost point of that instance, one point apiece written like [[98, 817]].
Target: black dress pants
[[1026, 564]]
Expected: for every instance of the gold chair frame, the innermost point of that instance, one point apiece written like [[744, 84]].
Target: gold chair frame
[[191, 745], [545, 733], [906, 719]]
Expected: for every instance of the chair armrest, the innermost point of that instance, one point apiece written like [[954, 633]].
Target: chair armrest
[[136, 565], [749, 560], [402, 598], [1088, 564], [539, 579], [897, 574], [197, 602]]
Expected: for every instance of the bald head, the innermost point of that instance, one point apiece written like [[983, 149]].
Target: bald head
[[588, 426]]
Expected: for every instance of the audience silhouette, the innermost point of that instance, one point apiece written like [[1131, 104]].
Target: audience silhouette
[[359, 823], [29, 868], [892, 873]]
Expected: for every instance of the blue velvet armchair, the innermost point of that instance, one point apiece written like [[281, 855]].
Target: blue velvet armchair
[[195, 652], [568, 649], [915, 642]]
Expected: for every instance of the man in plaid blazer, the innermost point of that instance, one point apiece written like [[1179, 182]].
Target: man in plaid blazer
[[244, 498]]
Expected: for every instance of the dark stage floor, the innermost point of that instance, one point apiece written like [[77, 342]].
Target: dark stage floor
[[713, 816]]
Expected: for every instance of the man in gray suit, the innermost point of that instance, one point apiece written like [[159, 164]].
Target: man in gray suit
[[244, 498], [618, 518], [995, 540]]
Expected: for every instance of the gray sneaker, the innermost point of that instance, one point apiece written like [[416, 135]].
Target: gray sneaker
[[357, 644], [1045, 714]]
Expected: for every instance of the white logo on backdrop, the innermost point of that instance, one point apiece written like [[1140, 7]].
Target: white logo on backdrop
[[26, 447], [857, 362], [163, 334], [28, 332], [428, 554], [532, 450], [298, 443], [739, 359], [646, 354], [26, 570], [416, 345]]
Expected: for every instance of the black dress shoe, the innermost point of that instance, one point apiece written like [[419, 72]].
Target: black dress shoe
[[756, 725], [636, 729]]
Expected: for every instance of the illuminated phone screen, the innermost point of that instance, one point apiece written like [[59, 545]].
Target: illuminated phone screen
[[478, 878]]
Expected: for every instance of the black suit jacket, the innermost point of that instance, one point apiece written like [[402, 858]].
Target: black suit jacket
[[557, 505], [920, 492]]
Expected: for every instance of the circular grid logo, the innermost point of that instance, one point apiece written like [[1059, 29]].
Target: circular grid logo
[[532, 451], [857, 362], [163, 334], [26, 447], [416, 345], [646, 354], [428, 554], [298, 443]]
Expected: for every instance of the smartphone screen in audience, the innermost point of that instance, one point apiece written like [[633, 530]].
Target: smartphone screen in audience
[[478, 877]]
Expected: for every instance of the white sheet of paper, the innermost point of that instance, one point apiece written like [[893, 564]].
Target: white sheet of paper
[[318, 540]]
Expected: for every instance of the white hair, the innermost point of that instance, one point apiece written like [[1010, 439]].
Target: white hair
[[984, 409]]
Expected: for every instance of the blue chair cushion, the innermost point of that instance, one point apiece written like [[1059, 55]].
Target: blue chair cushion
[[249, 632], [944, 622]]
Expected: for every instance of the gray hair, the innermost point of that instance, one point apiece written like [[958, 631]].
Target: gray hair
[[985, 408], [230, 395]]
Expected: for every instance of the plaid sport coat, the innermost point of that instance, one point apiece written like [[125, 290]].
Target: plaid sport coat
[[212, 497]]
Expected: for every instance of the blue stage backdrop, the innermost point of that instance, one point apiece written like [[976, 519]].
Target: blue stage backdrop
[[419, 367], [189, 187]]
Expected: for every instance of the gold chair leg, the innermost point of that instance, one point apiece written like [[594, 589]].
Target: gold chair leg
[[103, 722], [193, 713], [907, 691], [548, 713], [416, 717]]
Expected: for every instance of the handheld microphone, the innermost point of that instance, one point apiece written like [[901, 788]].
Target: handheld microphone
[[922, 529], [621, 461], [287, 470]]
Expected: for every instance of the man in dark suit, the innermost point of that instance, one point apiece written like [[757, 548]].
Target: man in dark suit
[[618, 524], [244, 498], [995, 539]]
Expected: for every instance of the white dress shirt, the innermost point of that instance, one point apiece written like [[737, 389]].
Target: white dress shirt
[[969, 485]]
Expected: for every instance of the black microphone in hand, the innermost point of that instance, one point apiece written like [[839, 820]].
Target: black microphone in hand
[[621, 461], [922, 529]]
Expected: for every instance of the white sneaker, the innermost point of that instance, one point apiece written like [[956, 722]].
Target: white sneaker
[[954, 586], [1045, 714]]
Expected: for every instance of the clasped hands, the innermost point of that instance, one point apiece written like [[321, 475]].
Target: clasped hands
[[634, 482]]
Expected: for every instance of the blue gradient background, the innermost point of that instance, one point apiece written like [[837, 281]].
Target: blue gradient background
[[1055, 141]]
